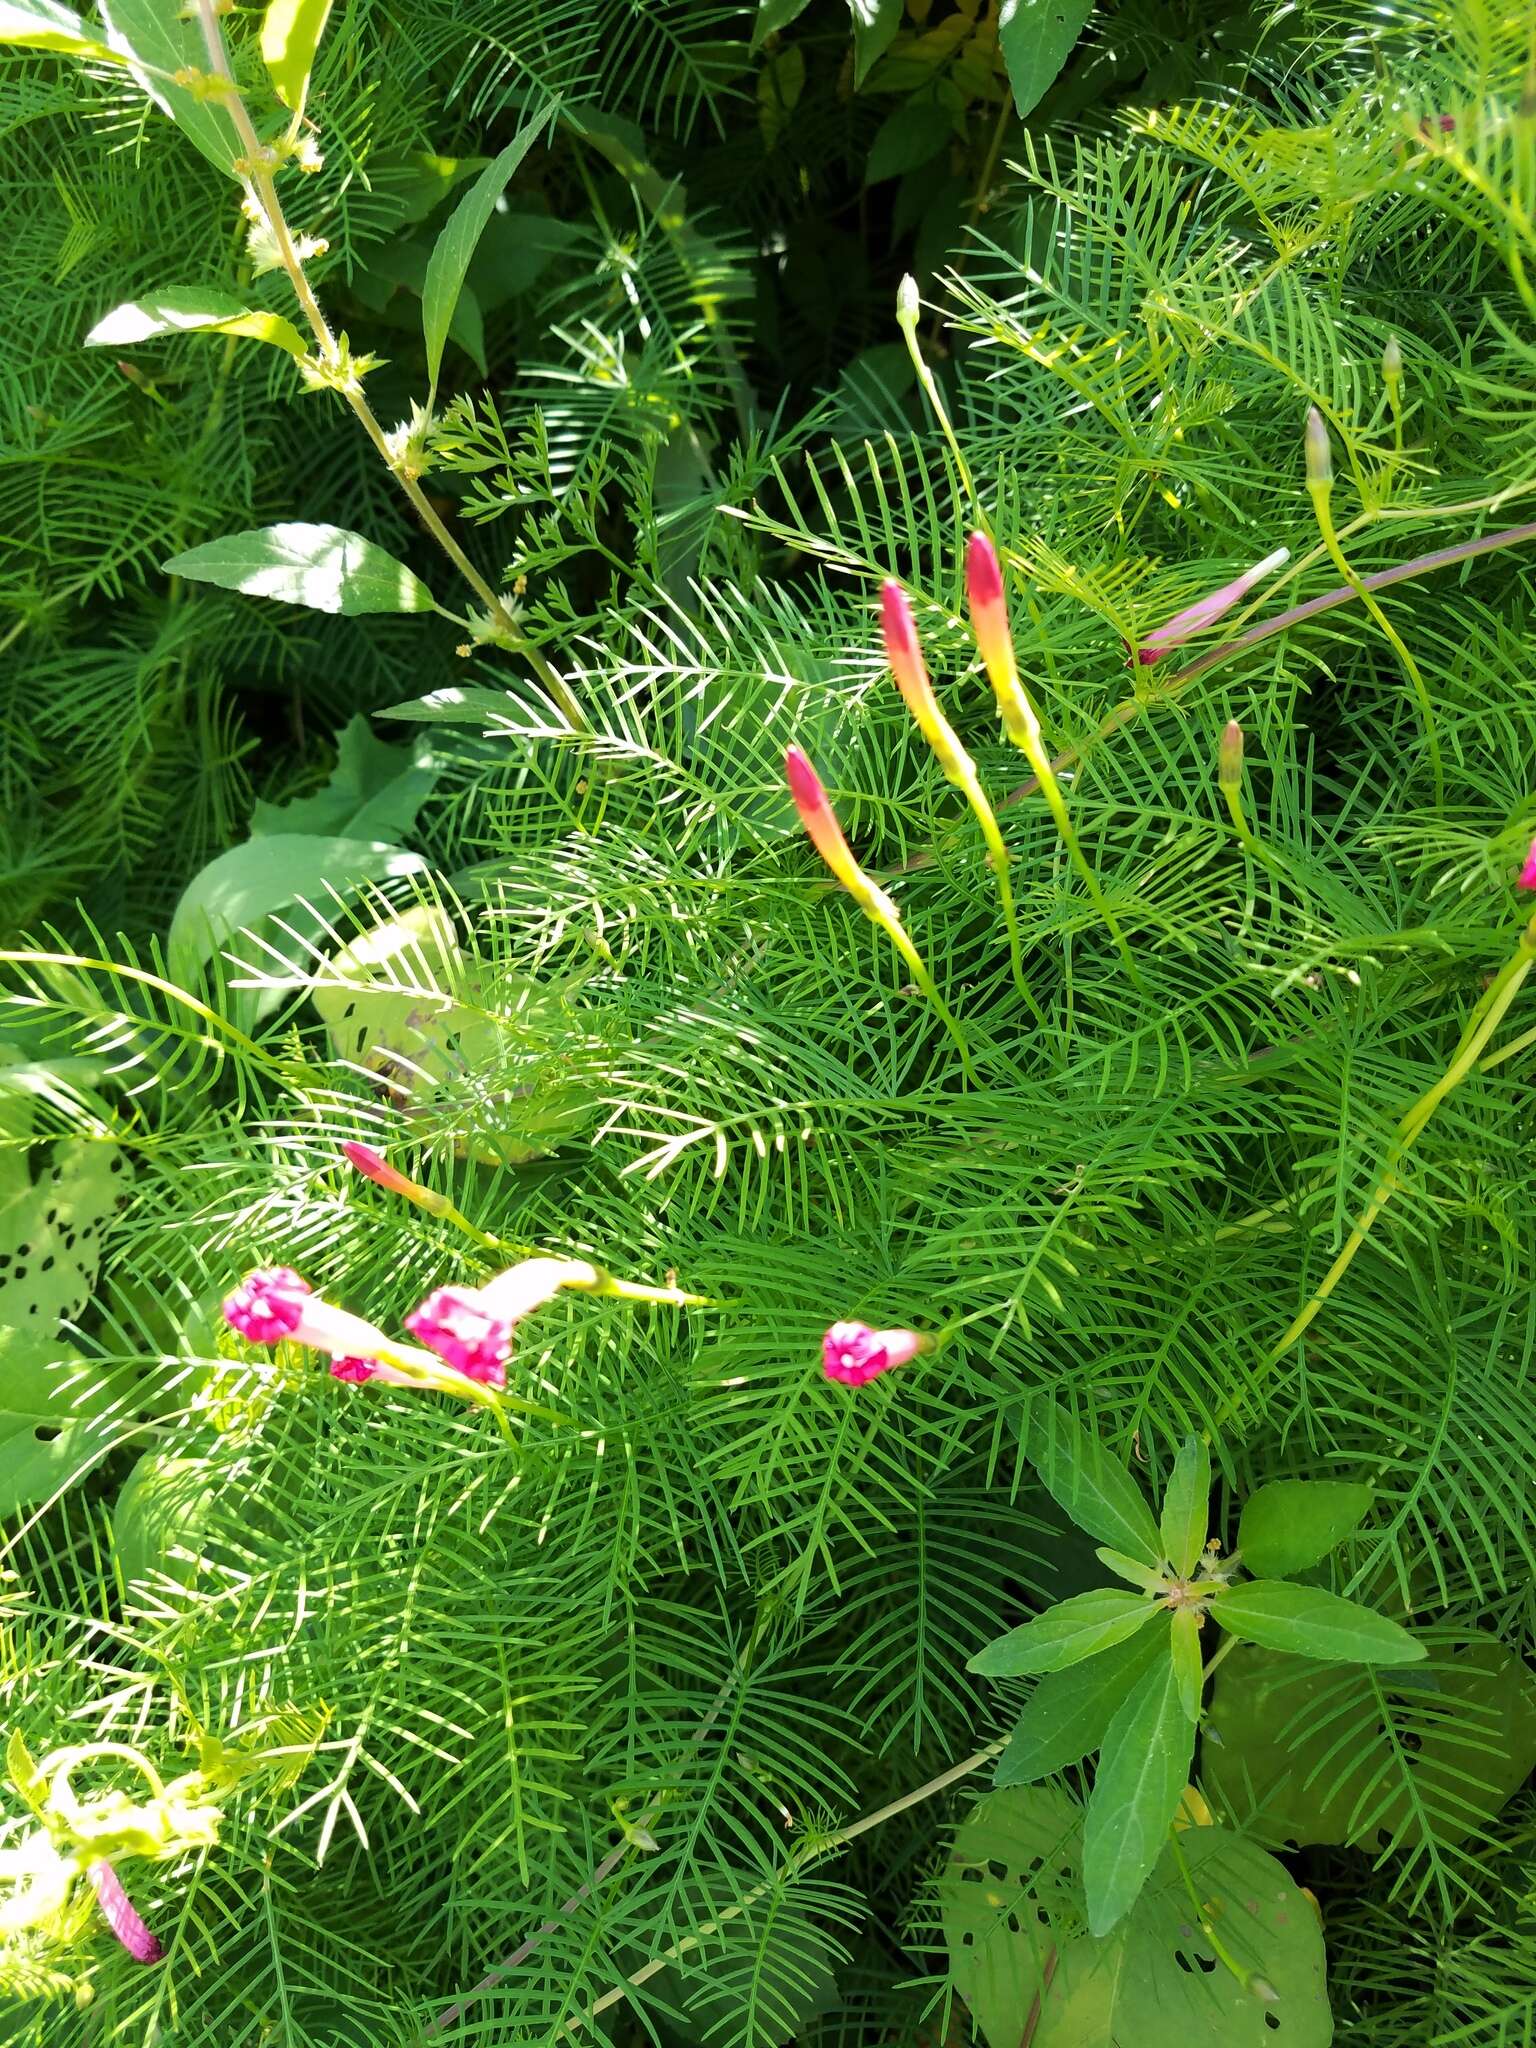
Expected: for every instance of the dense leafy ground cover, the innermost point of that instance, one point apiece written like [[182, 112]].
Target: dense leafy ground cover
[[451, 453]]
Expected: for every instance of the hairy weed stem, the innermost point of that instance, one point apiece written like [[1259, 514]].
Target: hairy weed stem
[[261, 192]]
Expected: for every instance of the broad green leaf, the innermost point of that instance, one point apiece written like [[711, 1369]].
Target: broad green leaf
[[155, 32], [290, 36], [187, 310], [1147, 1576], [1069, 1710], [1307, 1622], [374, 791], [1188, 1664], [773, 15], [44, 25], [1186, 1507], [238, 889], [1143, 1769], [449, 261], [1024, 1965], [1304, 1755], [908, 138], [324, 567], [875, 23], [53, 1430], [1088, 1484], [1036, 38], [1065, 1634], [159, 1519], [403, 1002], [1293, 1523]]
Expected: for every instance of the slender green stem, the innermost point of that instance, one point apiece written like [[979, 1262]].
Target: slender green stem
[[813, 1851], [906, 319], [1480, 1027], [997, 855], [1320, 494], [896, 931], [1206, 1924], [1050, 789]]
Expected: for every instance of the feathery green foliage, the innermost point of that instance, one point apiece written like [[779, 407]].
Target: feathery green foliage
[[524, 1736]]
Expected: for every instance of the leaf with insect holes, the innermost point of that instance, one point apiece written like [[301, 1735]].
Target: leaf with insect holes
[[290, 36], [1186, 1507], [1143, 1769], [1090, 1486], [191, 310], [1010, 1903], [300, 562], [1311, 1623], [1065, 1634], [1293, 1523], [53, 1428], [1069, 1710]]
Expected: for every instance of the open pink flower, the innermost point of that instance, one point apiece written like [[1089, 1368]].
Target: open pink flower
[[1207, 610], [118, 1912], [853, 1353], [274, 1306], [1526, 879], [471, 1328], [459, 1324]]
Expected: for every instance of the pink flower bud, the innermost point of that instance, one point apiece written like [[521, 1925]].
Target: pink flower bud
[[355, 1370], [372, 1165], [117, 1910], [1206, 611], [820, 821], [1319, 452], [1526, 879], [911, 673], [853, 1353], [461, 1327], [994, 640]]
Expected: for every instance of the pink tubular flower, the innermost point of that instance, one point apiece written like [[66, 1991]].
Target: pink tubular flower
[[268, 1305], [1526, 879], [273, 1305], [459, 1324], [853, 1354], [1207, 610], [117, 1911], [470, 1328]]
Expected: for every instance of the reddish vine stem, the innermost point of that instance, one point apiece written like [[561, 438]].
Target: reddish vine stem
[[1346, 593]]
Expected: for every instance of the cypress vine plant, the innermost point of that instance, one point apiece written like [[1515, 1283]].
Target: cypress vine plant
[[797, 1251]]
